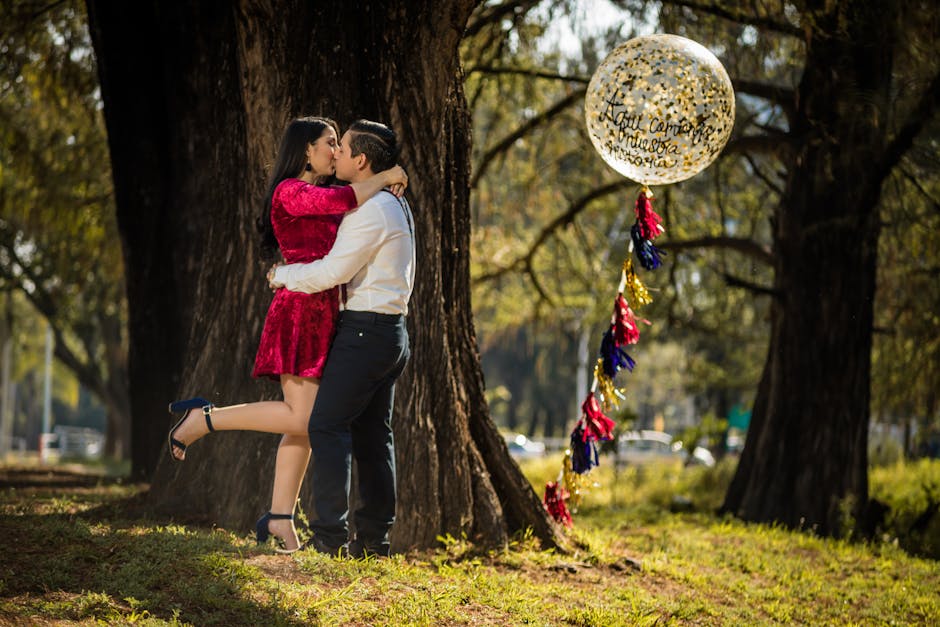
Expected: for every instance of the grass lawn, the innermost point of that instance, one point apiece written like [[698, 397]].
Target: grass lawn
[[72, 554]]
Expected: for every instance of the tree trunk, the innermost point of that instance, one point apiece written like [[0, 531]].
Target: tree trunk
[[805, 460], [196, 96]]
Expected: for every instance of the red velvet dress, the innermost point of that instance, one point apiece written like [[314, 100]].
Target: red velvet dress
[[299, 327]]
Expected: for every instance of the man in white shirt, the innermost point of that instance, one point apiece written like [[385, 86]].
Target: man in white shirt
[[374, 257]]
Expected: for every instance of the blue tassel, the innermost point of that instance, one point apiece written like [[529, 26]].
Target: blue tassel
[[583, 454], [614, 357], [649, 255]]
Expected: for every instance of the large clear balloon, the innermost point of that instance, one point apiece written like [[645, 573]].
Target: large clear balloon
[[659, 109]]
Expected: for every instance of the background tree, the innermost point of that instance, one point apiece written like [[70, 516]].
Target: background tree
[[906, 359], [58, 235], [190, 138]]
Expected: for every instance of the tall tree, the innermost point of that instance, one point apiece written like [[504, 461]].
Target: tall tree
[[805, 461], [195, 97], [58, 235]]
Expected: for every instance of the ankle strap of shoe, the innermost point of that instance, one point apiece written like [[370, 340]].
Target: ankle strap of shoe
[[280, 516], [206, 411]]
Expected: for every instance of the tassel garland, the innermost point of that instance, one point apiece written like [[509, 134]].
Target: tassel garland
[[594, 426]]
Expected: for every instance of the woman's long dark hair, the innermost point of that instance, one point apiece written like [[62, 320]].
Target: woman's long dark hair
[[291, 159]]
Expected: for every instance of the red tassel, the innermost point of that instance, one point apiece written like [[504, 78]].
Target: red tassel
[[554, 502], [624, 324], [597, 426], [650, 224]]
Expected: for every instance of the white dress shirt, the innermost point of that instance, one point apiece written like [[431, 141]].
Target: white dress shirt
[[374, 255]]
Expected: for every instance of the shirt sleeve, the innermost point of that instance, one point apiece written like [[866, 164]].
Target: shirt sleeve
[[303, 199], [359, 236]]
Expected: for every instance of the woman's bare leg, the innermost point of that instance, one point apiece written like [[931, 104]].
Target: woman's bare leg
[[293, 455], [289, 416]]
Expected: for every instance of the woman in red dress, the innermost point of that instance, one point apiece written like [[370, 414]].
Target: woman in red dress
[[301, 219]]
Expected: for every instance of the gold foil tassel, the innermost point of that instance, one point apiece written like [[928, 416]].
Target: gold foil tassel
[[605, 385], [634, 290], [572, 482]]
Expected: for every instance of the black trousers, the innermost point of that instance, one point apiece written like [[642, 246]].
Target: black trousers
[[352, 417]]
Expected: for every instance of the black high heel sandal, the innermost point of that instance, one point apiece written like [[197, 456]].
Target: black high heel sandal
[[262, 533], [183, 407]]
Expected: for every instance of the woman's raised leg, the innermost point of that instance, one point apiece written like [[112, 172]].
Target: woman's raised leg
[[289, 416]]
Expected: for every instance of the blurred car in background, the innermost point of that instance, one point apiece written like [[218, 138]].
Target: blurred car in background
[[642, 447], [522, 447]]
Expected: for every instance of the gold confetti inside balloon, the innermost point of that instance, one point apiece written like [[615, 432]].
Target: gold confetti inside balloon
[[659, 109]]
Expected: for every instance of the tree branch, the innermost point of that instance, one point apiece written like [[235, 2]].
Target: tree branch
[[742, 245], [525, 261], [23, 15], [763, 144], [49, 7], [87, 375], [734, 281], [766, 179], [904, 139], [44, 303], [492, 14], [505, 143], [530, 271], [496, 71], [920, 188], [783, 96], [42, 300], [741, 17]]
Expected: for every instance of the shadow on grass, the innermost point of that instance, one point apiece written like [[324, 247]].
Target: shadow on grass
[[66, 558]]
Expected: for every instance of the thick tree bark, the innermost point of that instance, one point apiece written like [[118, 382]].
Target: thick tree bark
[[805, 460], [196, 96]]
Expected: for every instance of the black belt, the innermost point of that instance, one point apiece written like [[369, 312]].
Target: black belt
[[370, 317]]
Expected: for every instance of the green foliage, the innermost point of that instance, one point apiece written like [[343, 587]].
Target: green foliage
[[112, 564], [59, 246], [647, 492], [885, 451], [58, 213], [912, 493], [709, 432], [906, 352], [530, 317]]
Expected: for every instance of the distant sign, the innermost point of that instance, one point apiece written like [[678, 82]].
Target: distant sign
[[739, 418]]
